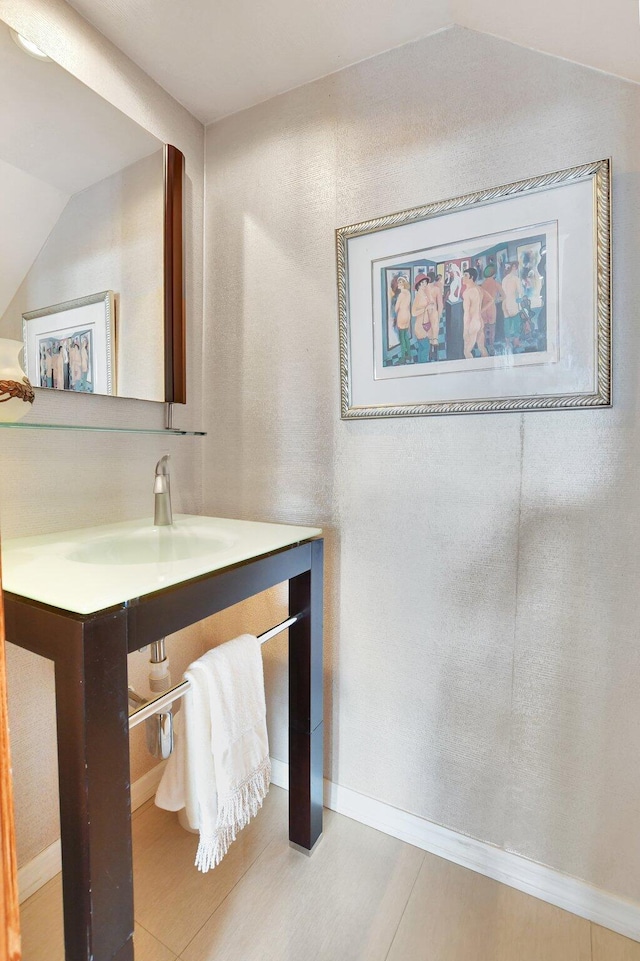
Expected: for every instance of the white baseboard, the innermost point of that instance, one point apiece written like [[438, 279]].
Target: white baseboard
[[542, 882], [48, 863], [146, 786], [518, 872], [280, 773], [35, 873]]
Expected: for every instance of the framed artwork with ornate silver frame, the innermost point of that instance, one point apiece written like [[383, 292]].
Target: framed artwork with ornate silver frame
[[70, 346], [498, 300]]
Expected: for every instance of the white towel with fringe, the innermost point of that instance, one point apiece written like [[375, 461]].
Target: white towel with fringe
[[220, 769]]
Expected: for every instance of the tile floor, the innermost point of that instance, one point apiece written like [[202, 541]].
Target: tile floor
[[362, 896]]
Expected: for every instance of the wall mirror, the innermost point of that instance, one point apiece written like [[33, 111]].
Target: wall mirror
[[90, 237]]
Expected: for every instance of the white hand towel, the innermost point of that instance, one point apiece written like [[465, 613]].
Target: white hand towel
[[220, 768]]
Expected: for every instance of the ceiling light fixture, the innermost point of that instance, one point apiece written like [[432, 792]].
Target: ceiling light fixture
[[28, 46]]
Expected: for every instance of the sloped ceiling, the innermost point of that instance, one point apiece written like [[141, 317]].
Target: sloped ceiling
[[57, 137], [29, 209], [220, 56], [56, 129], [604, 34]]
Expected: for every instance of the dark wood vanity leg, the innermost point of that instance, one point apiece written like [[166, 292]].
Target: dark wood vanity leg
[[95, 805], [305, 704]]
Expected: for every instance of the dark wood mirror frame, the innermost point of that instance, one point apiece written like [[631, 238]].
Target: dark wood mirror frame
[[175, 373]]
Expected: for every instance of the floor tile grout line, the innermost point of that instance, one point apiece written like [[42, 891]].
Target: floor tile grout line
[[406, 905], [217, 908], [142, 809], [208, 918], [154, 936]]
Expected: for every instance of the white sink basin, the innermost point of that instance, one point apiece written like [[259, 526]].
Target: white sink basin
[[154, 545], [91, 569]]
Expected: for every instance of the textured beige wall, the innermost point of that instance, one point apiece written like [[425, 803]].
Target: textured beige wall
[[52, 480], [481, 603]]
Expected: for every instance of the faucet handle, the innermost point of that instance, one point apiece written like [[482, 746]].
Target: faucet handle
[[162, 516]]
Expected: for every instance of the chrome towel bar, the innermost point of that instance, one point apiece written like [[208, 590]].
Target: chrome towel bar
[[153, 707]]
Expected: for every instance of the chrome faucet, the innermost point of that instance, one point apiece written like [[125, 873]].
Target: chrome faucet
[[162, 494]]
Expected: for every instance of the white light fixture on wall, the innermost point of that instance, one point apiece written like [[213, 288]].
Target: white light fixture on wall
[[28, 46]]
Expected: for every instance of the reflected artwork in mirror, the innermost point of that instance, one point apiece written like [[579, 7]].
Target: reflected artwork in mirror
[[91, 210]]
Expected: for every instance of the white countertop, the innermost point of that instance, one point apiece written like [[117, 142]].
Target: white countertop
[[92, 568]]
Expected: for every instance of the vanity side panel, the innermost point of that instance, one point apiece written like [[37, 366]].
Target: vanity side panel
[[175, 608]]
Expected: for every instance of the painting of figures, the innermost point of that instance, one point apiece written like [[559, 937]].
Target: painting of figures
[[476, 304], [70, 346], [497, 300], [67, 363]]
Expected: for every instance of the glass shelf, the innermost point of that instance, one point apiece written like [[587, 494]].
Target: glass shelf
[[165, 431]]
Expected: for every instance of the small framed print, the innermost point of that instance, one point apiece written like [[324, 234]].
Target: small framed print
[[70, 346]]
